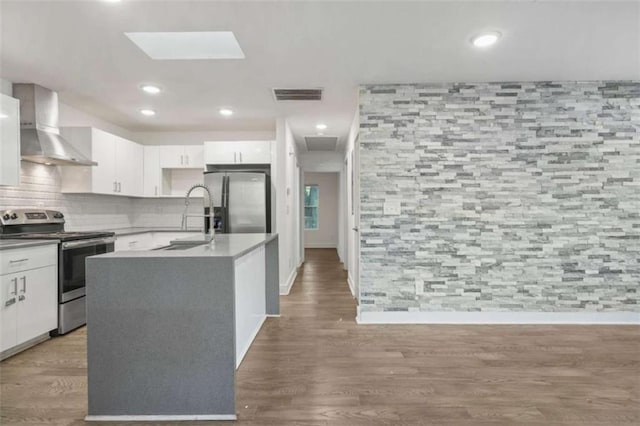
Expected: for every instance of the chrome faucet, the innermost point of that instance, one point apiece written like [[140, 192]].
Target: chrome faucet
[[209, 236]]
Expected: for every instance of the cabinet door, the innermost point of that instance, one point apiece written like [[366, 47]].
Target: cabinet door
[[254, 152], [221, 152], [194, 155], [103, 150], [8, 311], [9, 141], [152, 179], [38, 311], [129, 172], [172, 157]]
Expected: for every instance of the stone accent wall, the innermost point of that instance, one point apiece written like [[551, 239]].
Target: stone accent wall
[[514, 197]]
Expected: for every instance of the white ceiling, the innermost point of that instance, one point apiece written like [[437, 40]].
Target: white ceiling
[[79, 49]]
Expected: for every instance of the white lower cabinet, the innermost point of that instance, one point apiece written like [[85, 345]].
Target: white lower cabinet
[[29, 298]]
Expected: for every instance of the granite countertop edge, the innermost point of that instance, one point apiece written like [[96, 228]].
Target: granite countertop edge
[[13, 244]]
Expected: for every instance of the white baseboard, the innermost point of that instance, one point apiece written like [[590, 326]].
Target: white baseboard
[[632, 318], [320, 245], [168, 418], [352, 286], [273, 315], [286, 288]]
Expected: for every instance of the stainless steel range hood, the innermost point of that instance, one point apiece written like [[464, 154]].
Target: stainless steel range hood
[[40, 140]]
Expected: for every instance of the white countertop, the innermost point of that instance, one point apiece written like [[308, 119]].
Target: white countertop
[[224, 245], [141, 230], [12, 244]]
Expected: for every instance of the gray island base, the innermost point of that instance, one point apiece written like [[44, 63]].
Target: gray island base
[[166, 329]]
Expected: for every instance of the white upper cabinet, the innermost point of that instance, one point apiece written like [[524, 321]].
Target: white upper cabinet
[[120, 164], [237, 152], [129, 167], [9, 141], [181, 156], [152, 171]]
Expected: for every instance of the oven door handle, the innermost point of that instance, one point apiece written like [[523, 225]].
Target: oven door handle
[[87, 243]]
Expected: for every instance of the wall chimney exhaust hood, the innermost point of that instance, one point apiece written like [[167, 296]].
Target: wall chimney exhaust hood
[[40, 140]]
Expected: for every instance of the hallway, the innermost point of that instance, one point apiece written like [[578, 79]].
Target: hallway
[[315, 366]]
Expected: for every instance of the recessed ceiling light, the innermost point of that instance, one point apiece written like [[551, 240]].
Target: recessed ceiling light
[[147, 112], [151, 89], [226, 112], [188, 45], [3, 115], [485, 39], [321, 126], [47, 164]]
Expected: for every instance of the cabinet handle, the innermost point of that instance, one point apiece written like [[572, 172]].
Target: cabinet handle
[[115, 186], [19, 260], [15, 286], [21, 298], [234, 157], [24, 283], [182, 160], [156, 190], [119, 186], [10, 302], [241, 157]]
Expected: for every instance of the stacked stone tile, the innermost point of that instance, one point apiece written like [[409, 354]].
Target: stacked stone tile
[[515, 197]]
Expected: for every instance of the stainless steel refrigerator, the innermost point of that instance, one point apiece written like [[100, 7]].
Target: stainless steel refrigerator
[[241, 201]]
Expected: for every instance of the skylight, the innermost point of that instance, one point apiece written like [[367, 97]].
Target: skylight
[[188, 45]]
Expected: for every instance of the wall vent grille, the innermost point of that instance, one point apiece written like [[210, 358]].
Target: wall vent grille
[[297, 94], [321, 143]]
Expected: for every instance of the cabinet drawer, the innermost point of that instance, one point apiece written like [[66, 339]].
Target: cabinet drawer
[[23, 259]]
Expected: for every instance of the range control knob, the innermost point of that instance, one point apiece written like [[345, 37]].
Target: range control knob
[[14, 216], [6, 216], [58, 215]]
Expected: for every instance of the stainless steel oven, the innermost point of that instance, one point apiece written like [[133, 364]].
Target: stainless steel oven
[[73, 250], [72, 279]]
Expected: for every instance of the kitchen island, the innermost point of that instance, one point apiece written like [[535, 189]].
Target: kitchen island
[[166, 329]]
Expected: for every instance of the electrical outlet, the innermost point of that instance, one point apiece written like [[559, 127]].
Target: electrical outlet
[[391, 208]]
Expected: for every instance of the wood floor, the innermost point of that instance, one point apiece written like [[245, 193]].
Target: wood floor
[[315, 366]]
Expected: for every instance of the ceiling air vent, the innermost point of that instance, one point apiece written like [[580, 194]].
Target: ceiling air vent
[[321, 143], [298, 94]]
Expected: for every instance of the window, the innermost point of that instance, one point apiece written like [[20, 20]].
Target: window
[[311, 206]]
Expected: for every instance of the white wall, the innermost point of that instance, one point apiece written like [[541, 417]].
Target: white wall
[[326, 236], [352, 192], [72, 117], [6, 87], [321, 161], [286, 177]]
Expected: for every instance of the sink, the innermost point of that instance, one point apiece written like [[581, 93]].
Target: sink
[[179, 246], [182, 247]]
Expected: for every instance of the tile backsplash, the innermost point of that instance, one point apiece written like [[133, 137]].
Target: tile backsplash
[[40, 187]]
